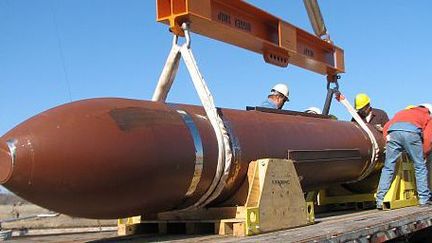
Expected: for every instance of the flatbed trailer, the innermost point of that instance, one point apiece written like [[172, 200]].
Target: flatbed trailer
[[363, 226], [344, 226]]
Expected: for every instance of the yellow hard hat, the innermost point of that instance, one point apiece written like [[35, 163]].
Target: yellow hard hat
[[361, 100], [409, 107]]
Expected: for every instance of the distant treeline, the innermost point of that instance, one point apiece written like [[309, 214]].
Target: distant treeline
[[10, 199]]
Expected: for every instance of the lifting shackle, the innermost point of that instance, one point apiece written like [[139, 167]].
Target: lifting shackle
[[331, 79]]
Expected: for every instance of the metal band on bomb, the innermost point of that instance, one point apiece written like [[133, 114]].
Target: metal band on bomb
[[199, 156]]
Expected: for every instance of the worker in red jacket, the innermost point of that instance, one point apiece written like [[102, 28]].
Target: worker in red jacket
[[410, 130]]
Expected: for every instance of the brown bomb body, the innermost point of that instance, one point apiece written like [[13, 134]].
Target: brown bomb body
[[112, 158]]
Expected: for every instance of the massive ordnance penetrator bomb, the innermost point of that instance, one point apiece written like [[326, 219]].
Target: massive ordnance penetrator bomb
[[112, 158]]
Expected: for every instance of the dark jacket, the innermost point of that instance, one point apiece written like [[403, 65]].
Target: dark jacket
[[379, 117]]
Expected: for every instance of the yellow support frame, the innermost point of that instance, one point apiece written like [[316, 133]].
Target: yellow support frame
[[323, 199], [402, 192]]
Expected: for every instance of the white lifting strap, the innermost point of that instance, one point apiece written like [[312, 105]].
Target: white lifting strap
[[375, 148], [165, 82], [168, 74]]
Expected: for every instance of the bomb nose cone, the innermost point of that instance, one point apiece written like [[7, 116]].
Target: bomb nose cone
[[6, 162], [100, 158]]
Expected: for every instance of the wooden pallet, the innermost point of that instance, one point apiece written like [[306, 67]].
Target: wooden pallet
[[198, 227]]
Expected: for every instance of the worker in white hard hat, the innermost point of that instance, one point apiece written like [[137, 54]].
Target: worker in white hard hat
[[277, 97], [313, 110], [376, 117]]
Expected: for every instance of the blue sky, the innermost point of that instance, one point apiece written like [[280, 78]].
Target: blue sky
[[55, 51]]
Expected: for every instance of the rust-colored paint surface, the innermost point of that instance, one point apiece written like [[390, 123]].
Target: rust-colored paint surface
[[5, 163], [112, 158]]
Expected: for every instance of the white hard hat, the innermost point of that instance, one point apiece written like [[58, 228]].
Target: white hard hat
[[281, 88], [428, 106], [313, 110]]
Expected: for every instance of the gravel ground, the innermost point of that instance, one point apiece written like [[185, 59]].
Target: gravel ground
[[62, 221], [17, 214]]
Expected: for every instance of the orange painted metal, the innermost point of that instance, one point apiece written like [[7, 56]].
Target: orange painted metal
[[242, 24]]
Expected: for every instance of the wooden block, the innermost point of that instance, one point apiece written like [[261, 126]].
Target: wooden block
[[121, 230], [128, 226], [131, 229], [282, 203], [254, 185], [224, 228], [239, 229], [124, 229]]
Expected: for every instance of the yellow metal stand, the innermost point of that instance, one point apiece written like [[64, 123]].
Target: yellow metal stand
[[344, 197], [402, 192], [340, 198], [275, 201]]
